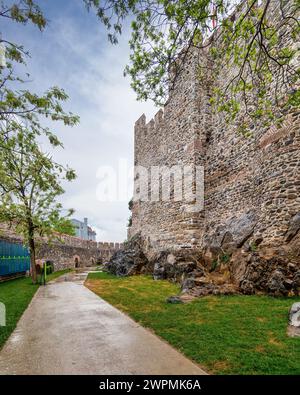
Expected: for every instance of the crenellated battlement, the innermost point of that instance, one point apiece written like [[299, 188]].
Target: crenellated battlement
[[7, 232], [148, 128], [109, 246]]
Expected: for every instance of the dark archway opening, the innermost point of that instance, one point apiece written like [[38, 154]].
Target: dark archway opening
[[76, 262]]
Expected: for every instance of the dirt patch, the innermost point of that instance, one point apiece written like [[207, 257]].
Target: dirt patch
[[261, 319], [221, 365], [95, 285], [260, 349], [150, 309], [200, 321], [275, 342]]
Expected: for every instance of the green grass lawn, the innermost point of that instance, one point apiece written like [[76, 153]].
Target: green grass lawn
[[16, 295], [224, 334]]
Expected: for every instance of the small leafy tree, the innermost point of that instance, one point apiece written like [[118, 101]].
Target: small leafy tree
[[64, 226], [29, 178], [29, 185]]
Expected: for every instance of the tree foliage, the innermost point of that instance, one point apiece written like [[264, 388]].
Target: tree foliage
[[30, 182], [18, 104], [260, 46], [63, 225]]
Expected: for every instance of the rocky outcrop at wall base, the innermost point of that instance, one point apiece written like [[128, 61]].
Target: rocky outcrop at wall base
[[135, 259], [129, 261], [229, 236], [254, 266], [177, 266], [233, 260], [275, 274]]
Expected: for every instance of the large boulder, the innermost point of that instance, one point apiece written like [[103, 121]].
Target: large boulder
[[294, 227], [294, 316], [174, 265], [259, 272], [294, 320], [129, 261], [229, 236]]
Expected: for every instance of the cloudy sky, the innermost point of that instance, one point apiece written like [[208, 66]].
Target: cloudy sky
[[74, 53]]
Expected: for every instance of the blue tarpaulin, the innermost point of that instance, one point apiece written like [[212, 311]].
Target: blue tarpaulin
[[14, 258]]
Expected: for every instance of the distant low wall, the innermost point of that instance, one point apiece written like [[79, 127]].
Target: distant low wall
[[66, 251]]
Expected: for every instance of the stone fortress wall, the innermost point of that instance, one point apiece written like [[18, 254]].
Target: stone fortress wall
[[251, 184], [66, 251], [169, 140]]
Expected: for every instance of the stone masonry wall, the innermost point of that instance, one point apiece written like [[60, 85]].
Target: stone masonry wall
[[169, 140], [66, 251]]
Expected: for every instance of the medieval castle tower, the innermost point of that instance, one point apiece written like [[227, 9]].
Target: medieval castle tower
[[251, 210]]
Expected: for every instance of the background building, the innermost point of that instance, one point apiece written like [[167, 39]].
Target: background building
[[83, 230]]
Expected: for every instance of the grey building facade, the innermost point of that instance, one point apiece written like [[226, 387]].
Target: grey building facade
[[83, 230]]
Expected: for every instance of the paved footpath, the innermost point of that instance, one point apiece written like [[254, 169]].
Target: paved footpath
[[67, 329]]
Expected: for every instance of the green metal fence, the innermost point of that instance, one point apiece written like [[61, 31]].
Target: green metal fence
[[14, 258]]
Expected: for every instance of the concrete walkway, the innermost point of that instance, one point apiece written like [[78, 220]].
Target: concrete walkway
[[67, 329]]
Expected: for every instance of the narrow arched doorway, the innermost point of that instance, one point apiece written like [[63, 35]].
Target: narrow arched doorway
[[76, 262]]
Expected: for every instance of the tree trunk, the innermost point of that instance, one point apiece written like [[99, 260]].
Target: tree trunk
[[32, 253]]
